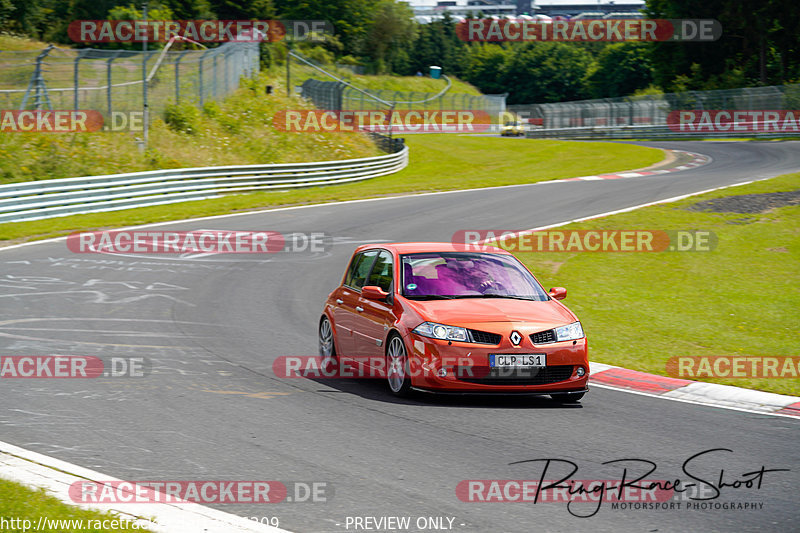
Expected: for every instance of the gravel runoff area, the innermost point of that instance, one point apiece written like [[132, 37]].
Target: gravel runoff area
[[749, 203]]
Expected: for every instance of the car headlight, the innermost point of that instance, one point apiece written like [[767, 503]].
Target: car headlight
[[570, 332], [440, 331]]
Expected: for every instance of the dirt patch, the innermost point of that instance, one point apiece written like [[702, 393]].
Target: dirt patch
[[552, 265], [671, 159], [749, 203]]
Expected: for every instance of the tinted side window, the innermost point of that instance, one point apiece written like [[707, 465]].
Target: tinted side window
[[359, 269], [382, 272]]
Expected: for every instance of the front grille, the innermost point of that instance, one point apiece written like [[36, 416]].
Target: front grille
[[544, 337], [484, 337], [518, 376]]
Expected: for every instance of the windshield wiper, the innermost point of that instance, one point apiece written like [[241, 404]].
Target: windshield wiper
[[508, 296], [430, 297]]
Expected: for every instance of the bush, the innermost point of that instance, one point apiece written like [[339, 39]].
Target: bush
[[319, 55], [182, 118]]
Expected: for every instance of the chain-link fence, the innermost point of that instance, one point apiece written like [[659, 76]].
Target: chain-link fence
[[110, 81], [661, 114], [494, 105], [334, 93]]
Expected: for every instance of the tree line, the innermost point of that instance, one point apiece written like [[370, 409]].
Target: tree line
[[759, 45]]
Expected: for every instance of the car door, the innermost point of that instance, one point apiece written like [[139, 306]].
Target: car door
[[347, 299], [373, 318]]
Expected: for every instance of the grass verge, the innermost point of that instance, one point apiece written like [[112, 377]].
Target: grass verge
[[372, 82], [438, 163], [26, 506], [741, 299], [236, 131]]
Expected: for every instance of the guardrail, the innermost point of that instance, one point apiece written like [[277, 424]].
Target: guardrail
[[661, 131], [69, 196]]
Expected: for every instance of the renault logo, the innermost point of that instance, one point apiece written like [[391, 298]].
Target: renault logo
[[516, 338]]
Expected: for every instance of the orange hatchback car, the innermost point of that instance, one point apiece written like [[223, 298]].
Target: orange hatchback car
[[438, 317]]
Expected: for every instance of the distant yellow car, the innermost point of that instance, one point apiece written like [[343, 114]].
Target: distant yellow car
[[512, 128]]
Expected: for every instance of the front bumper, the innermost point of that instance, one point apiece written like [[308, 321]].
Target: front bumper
[[457, 366]]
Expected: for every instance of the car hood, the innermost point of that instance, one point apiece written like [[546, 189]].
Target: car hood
[[471, 312]]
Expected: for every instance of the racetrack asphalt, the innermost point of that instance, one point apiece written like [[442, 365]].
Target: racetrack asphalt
[[212, 409]]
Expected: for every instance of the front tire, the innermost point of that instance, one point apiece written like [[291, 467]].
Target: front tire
[[397, 367], [327, 346]]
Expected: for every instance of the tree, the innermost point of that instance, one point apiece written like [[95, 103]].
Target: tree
[[155, 11], [437, 43], [350, 18], [487, 66], [29, 17], [243, 9], [7, 8], [759, 39], [392, 31], [547, 72], [190, 9], [622, 69]]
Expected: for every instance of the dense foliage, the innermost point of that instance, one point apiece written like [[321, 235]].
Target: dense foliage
[[759, 45]]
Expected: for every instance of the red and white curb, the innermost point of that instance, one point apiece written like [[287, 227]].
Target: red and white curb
[[697, 161], [55, 476], [684, 390]]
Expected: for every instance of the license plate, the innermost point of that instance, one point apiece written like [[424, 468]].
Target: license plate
[[523, 360]]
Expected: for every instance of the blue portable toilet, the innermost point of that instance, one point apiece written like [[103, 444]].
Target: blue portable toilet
[[436, 72]]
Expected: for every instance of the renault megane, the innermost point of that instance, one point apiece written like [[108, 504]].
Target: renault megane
[[438, 317]]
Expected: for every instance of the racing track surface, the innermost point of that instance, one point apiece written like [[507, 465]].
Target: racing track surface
[[213, 409]]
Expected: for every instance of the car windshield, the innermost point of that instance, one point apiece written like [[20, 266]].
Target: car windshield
[[446, 275]]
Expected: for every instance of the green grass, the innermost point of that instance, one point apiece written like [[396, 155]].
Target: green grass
[[301, 72], [413, 83], [13, 43], [236, 131], [437, 163], [20, 502], [640, 309]]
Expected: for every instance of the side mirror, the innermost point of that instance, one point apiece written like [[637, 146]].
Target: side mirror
[[371, 292], [558, 293]]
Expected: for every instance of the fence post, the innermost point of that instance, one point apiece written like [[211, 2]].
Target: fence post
[[200, 73], [630, 111], [76, 82], [108, 83], [288, 70], [226, 67], [214, 76], [37, 83], [178, 76]]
